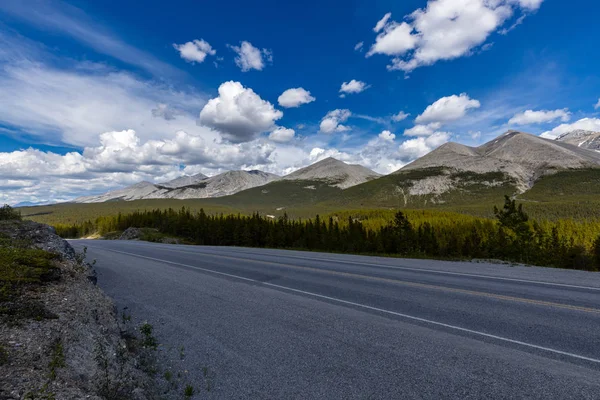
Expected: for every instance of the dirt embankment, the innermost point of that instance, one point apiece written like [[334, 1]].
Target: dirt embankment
[[60, 335]]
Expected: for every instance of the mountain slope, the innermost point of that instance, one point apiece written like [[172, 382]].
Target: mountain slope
[[581, 138], [334, 173], [134, 192], [459, 175], [184, 181], [427, 187], [224, 184], [521, 156], [190, 187]]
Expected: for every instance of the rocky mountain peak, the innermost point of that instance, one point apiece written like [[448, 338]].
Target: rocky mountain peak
[[334, 172], [582, 138], [522, 156]]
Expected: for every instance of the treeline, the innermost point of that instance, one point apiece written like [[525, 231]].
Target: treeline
[[510, 236], [8, 213]]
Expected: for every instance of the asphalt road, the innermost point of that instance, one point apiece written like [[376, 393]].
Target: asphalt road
[[278, 324]]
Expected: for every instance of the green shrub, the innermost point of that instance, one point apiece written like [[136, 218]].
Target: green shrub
[[8, 213]]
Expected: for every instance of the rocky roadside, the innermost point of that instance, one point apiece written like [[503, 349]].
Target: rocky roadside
[[60, 335]]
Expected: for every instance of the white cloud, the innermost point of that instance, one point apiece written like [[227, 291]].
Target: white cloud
[[530, 5], [74, 106], [401, 116], [423, 130], [120, 159], [586, 124], [250, 57], [353, 86], [387, 136], [359, 46], [537, 117], [415, 148], [382, 22], [68, 20], [332, 122], [597, 106], [397, 38], [195, 51], [295, 98], [238, 113], [448, 109], [282, 135], [443, 30]]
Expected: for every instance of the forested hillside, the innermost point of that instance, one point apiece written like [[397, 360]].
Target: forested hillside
[[510, 236]]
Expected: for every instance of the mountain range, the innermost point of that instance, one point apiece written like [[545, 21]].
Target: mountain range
[[581, 138], [452, 173], [187, 187]]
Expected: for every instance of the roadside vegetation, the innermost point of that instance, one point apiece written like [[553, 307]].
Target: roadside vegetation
[[510, 235], [59, 335], [23, 270]]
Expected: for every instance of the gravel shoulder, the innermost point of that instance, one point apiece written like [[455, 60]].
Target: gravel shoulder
[[60, 335]]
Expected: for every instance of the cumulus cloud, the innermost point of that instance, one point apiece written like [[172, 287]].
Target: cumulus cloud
[[597, 106], [295, 98], [120, 159], [359, 46], [443, 30], [586, 124], [401, 116], [423, 130], [332, 122], [537, 117], [396, 38], [387, 136], [418, 147], [282, 135], [250, 57], [353, 86], [448, 109], [195, 51], [238, 113]]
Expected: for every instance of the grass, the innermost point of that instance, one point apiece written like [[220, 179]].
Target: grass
[[58, 358], [148, 340], [23, 270], [188, 392]]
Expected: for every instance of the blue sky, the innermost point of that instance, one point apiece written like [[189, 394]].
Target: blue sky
[[98, 95]]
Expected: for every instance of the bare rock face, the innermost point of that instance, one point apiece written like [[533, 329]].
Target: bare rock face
[[131, 233], [184, 181], [38, 235], [520, 155], [224, 184], [187, 187], [582, 138], [335, 173]]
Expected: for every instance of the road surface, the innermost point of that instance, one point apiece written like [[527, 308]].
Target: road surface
[[278, 324]]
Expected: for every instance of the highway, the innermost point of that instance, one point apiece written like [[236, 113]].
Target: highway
[[277, 324]]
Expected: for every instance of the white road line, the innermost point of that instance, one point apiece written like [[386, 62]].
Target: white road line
[[400, 268], [381, 310]]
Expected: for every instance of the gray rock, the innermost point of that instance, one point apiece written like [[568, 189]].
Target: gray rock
[[38, 235]]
